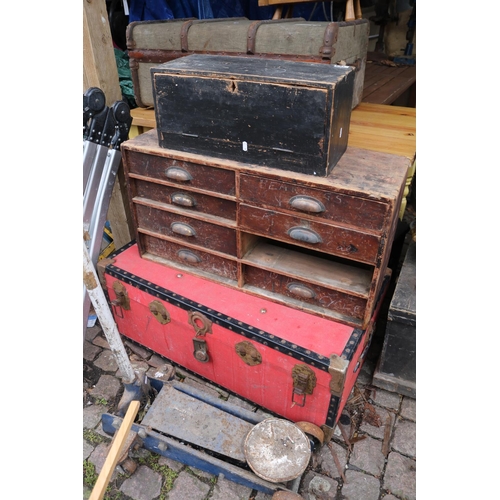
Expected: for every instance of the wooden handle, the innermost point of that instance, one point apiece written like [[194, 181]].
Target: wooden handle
[[349, 10], [114, 453]]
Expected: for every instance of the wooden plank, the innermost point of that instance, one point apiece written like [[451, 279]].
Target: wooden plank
[[99, 70], [388, 93], [113, 455], [143, 117], [99, 65], [384, 84]]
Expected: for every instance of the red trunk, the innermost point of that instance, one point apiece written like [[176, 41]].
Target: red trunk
[[294, 364]]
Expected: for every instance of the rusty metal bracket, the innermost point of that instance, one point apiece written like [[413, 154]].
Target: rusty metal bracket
[[248, 353], [338, 370], [159, 312], [201, 324], [327, 51]]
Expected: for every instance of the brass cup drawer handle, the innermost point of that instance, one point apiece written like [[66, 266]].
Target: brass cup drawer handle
[[307, 204], [182, 229], [178, 174], [184, 200], [188, 256], [304, 234], [301, 291]]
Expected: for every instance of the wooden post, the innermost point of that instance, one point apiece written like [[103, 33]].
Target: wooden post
[[99, 64], [99, 70], [114, 453]]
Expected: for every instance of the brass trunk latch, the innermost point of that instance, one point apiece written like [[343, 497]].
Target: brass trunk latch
[[304, 382], [248, 353], [202, 325], [122, 300], [200, 350], [159, 312]]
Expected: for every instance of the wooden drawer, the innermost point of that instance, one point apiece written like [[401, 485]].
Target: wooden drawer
[[192, 201], [301, 278], [303, 292], [334, 240], [206, 264], [182, 173], [320, 203], [187, 229]]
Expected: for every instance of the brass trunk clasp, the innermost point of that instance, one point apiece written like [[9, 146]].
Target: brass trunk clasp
[[122, 300], [202, 325], [304, 382]]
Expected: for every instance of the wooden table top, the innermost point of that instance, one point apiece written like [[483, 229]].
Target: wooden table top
[[383, 84], [377, 127], [388, 129]]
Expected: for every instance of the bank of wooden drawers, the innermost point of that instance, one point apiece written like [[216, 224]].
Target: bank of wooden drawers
[[317, 244]]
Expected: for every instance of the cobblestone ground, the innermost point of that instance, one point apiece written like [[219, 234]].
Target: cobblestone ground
[[371, 456]]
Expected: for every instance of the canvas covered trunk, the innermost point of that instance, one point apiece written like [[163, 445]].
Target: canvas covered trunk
[[152, 42]]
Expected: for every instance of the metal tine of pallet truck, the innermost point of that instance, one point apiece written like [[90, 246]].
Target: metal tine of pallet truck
[[94, 118], [95, 219]]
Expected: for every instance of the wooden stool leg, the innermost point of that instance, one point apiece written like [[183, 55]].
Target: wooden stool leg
[[357, 9], [278, 12], [349, 10]]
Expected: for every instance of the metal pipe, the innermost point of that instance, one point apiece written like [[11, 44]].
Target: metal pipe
[[98, 299]]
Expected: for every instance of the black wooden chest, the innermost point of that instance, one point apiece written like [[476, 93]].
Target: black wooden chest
[[396, 370], [282, 114]]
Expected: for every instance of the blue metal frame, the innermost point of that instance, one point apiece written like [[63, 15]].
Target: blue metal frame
[[194, 458]]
